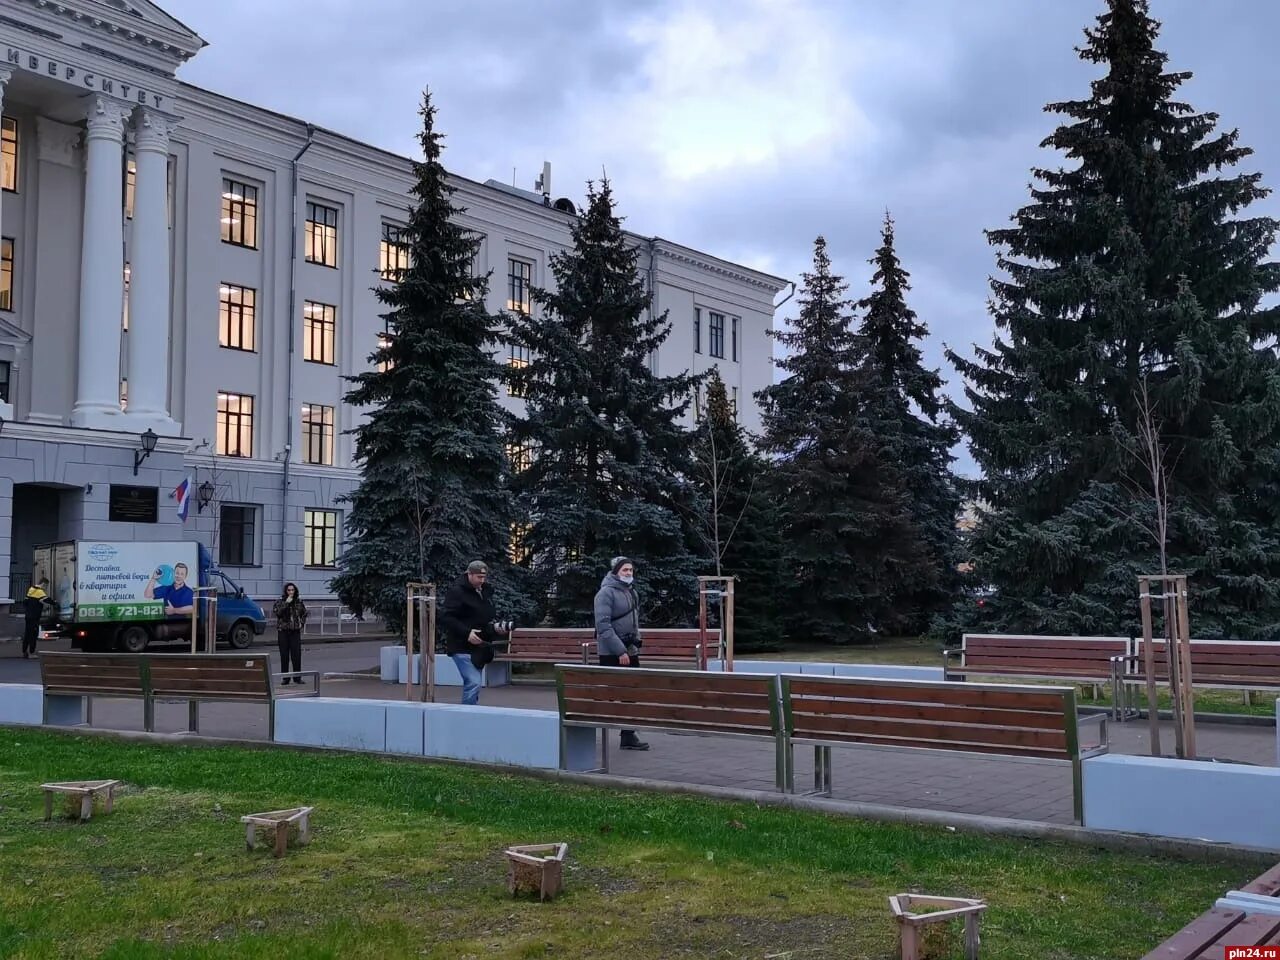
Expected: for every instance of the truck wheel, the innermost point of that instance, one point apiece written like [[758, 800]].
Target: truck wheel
[[241, 635], [134, 639]]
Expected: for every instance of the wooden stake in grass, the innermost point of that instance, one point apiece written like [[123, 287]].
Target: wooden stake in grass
[[536, 868], [82, 792], [277, 822]]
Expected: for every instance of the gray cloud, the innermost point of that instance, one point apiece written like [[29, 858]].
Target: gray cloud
[[742, 127]]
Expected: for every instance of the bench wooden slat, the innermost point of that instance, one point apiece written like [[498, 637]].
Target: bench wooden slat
[[1254, 929], [953, 694], [673, 680], [706, 717], [1267, 885], [936, 735], [1196, 936], [1046, 719], [717, 698]]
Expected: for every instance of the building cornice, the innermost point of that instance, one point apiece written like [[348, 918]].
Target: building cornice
[[49, 433], [170, 42]]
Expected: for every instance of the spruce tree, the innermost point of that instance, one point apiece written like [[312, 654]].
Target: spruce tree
[[844, 508], [610, 460], [914, 432], [1132, 268], [738, 521], [432, 494]]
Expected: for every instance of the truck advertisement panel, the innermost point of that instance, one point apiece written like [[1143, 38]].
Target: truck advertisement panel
[[118, 581], [62, 579]]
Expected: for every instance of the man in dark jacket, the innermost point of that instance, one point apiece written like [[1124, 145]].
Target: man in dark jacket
[[469, 622], [33, 606]]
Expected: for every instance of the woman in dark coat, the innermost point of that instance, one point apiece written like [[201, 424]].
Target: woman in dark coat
[[291, 616]]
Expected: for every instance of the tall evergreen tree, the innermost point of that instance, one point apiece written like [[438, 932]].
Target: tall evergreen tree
[[914, 432], [432, 494], [1131, 267], [738, 521], [610, 460], [844, 508]]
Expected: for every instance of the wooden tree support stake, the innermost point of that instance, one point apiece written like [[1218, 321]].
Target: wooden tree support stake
[[947, 908], [86, 791], [536, 868], [277, 822]]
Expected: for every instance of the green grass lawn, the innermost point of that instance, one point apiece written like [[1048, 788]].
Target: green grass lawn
[[405, 861]]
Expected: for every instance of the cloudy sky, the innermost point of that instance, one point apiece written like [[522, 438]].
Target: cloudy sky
[[741, 127]]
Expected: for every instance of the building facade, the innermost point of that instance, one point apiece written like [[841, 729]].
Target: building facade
[[181, 269]]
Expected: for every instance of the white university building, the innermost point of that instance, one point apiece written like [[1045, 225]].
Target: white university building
[[176, 261]]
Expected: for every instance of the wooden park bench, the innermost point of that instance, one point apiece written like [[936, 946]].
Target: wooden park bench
[[1074, 659], [679, 646], [196, 678], [1001, 720], [670, 701], [1215, 664], [1233, 922]]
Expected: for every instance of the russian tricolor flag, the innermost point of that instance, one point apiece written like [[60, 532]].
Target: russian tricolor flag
[[183, 496]]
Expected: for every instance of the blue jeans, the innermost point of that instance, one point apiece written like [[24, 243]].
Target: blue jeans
[[472, 677]]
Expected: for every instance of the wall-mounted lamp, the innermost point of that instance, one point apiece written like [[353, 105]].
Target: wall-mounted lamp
[[204, 496], [148, 448]]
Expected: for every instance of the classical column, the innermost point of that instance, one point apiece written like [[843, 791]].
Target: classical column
[[149, 273], [101, 268]]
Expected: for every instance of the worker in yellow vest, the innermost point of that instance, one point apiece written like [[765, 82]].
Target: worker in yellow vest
[[33, 607]]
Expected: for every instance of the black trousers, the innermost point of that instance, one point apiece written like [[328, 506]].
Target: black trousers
[[610, 660], [290, 649], [30, 632]]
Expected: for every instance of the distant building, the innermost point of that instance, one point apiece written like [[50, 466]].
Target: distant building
[[177, 261]]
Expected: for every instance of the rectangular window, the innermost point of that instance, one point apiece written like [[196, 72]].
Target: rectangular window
[[520, 456], [9, 154], [319, 327], [320, 242], [518, 358], [5, 369], [6, 274], [124, 310], [519, 285], [519, 550], [393, 254], [697, 404], [130, 186], [733, 339], [235, 425], [384, 344], [237, 315], [124, 394], [697, 329], [239, 214], [317, 434], [320, 545], [238, 535], [715, 334], [734, 401]]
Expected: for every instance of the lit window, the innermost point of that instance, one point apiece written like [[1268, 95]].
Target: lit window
[[520, 456], [384, 344], [319, 325], [9, 154], [124, 395], [5, 371], [317, 434], [733, 339], [239, 214], [235, 425], [130, 186], [320, 544], [124, 312], [238, 535], [6, 274], [697, 329], [518, 550], [715, 334], [393, 254], [237, 315], [518, 358], [519, 285], [320, 243]]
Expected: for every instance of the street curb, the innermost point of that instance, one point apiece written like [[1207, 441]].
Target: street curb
[[1136, 843]]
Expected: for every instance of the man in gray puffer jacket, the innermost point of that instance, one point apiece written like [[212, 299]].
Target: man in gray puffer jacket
[[617, 610]]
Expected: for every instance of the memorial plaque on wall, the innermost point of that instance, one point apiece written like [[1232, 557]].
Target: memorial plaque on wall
[[134, 504]]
